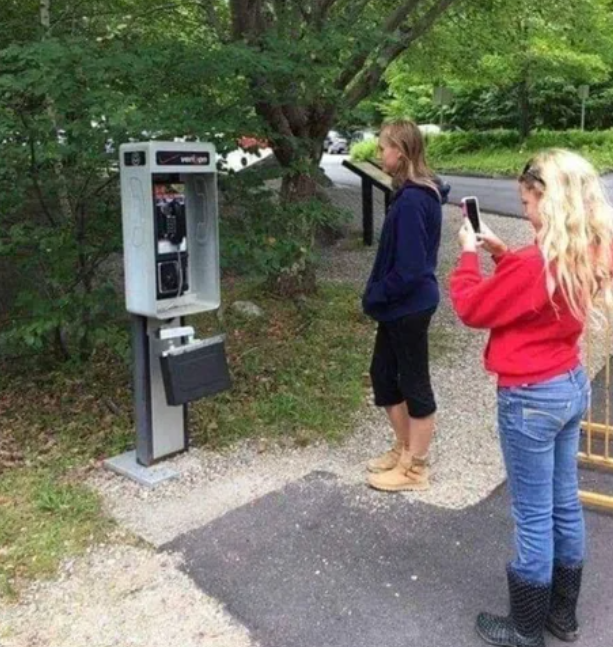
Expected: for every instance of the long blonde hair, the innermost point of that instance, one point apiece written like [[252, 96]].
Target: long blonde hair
[[576, 229], [406, 137]]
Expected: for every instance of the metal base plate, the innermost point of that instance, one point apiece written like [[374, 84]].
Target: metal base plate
[[126, 465]]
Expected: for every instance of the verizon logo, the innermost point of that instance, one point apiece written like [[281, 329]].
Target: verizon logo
[[182, 158], [195, 159]]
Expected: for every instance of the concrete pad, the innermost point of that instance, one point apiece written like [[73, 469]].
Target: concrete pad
[[126, 465]]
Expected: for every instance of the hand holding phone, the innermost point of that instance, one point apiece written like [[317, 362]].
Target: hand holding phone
[[490, 242], [470, 207]]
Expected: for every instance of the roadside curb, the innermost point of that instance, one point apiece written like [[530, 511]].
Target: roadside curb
[[476, 174], [604, 175]]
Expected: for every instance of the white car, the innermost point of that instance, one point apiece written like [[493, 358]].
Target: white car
[[338, 147], [429, 129], [363, 136]]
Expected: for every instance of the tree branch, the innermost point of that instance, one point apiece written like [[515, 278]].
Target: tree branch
[[88, 272], [391, 24], [429, 18], [34, 174], [275, 117], [238, 13], [248, 20], [280, 9], [213, 19], [356, 62], [58, 167], [64, 14], [102, 187], [321, 9], [115, 12], [305, 13], [400, 15], [272, 113], [369, 78], [297, 119]]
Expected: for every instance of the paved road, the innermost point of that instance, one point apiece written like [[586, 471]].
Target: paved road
[[333, 166], [495, 195]]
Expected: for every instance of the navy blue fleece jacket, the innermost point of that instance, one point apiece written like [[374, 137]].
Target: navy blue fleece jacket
[[403, 278]]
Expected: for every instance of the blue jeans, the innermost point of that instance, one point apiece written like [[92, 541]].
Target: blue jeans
[[539, 432]]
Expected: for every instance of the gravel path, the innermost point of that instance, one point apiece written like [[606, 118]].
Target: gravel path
[[130, 596], [466, 459], [120, 596]]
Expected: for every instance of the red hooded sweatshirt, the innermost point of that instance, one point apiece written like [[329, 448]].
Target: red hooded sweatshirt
[[531, 340]]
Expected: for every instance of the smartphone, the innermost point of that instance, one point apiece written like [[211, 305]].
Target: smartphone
[[470, 207]]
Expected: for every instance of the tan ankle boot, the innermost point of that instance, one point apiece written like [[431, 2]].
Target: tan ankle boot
[[386, 461], [410, 473]]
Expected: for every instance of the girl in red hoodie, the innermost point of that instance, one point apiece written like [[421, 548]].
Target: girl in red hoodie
[[535, 305]]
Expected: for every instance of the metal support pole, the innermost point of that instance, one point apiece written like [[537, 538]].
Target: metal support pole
[[141, 376], [367, 212], [158, 427]]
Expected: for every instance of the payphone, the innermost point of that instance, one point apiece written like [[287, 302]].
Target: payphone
[[171, 270]]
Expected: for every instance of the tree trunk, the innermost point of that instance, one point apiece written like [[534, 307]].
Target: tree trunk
[[85, 348], [297, 144], [523, 104], [298, 150], [61, 347], [301, 166], [299, 187], [58, 168]]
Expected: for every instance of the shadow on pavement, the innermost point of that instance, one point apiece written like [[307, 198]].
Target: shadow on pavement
[[322, 564]]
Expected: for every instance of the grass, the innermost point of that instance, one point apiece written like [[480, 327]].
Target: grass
[[44, 519], [299, 375], [56, 425], [501, 153], [298, 372], [506, 163]]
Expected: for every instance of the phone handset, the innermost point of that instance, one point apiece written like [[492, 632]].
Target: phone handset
[[171, 222]]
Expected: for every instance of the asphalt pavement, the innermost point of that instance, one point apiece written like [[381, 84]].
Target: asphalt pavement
[[323, 564], [496, 195]]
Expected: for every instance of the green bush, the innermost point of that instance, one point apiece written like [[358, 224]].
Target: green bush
[[471, 142], [262, 237], [501, 152], [468, 142], [364, 150], [554, 104], [574, 139]]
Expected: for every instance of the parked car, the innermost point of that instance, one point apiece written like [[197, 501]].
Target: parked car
[[331, 137], [363, 135], [429, 129], [339, 146]]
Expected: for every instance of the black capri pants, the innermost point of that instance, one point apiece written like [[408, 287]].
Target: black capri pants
[[400, 369]]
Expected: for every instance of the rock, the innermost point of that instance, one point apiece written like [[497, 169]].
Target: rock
[[247, 308]]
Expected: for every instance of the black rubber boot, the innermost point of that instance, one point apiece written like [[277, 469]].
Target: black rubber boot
[[524, 626], [565, 588]]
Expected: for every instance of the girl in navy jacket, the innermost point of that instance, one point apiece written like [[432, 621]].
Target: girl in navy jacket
[[402, 294]]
